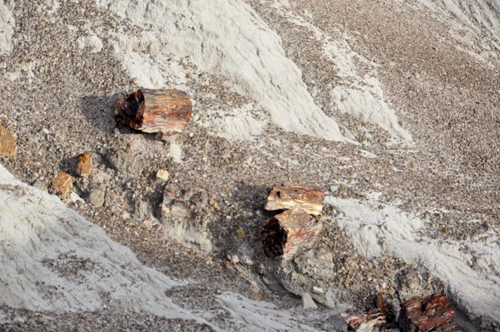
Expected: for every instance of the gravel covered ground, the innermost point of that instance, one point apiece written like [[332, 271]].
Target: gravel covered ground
[[60, 98]]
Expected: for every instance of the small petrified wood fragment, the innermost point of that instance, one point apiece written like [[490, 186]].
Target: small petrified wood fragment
[[370, 321], [84, 166], [427, 313], [173, 207], [296, 196], [7, 143], [62, 185], [239, 272], [165, 112], [290, 231]]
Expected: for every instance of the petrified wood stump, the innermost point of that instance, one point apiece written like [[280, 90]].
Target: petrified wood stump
[[84, 166], [290, 231], [62, 185], [296, 196], [371, 321], [7, 143], [165, 112], [427, 313], [173, 207]]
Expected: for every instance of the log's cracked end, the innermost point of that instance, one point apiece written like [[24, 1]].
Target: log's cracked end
[[165, 112]]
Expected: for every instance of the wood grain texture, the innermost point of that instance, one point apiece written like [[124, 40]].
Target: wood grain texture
[[367, 322], [288, 195], [427, 313], [165, 112]]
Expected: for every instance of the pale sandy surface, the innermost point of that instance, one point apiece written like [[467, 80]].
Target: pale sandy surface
[[447, 100]]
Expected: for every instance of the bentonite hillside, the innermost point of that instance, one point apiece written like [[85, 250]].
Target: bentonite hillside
[[376, 122]]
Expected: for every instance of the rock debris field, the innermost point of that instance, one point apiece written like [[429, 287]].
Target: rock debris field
[[389, 109]]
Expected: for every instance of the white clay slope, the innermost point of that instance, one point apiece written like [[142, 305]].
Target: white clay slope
[[374, 231], [52, 259], [223, 37], [6, 29]]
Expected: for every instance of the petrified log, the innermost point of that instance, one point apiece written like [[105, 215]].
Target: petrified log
[[7, 143], [296, 196], [62, 185], [427, 313], [370, 321], [165, 112], [84, 166], [290, 231]]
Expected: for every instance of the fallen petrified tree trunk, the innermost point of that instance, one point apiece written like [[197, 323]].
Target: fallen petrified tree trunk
[[290, 231], [371, 321], [165, 112], [7, 143], [296, 196], [427, 313]]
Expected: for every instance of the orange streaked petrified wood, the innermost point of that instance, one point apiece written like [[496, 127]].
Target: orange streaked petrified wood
[[165, 112], [286, 233]]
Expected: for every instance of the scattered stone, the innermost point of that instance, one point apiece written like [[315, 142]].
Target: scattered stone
[[62, 185], [124, 162], [427, 313], [200, 199], [7, 143], [165, 112], [308, 302], [96, 198], [371, 321], [337, 323], [162, 175], [84, 166], [317, 290], [99, 179], [240, 233], [299, 196], [286, 233], [75, 198]]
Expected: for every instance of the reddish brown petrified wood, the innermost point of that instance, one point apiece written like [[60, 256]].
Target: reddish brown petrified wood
[[62, 185], [427, 313], [84, 166], [7, 143], [288, 232], [165, 112], [371, 321], [296, 196]]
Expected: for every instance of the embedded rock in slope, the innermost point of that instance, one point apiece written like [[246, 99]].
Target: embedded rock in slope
[[226, 38]]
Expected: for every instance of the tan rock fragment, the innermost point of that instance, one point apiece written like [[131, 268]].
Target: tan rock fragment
[[7, 143], [62, 185], [162, 175], [84, 166], [296, 196]]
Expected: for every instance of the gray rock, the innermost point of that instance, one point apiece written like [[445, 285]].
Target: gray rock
[[308, 302], [200, 199], [96, 198], [337, 323], [124, 162], [316, 263]]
